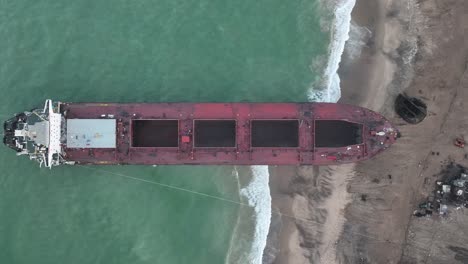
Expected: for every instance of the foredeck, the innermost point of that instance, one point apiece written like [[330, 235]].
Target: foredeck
[[144, 133]]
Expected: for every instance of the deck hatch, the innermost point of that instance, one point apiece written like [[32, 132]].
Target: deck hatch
[[155, 133], [275, 133], [91, 133], [215, 133], [337, 133]]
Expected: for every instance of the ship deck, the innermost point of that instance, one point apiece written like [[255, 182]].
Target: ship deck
[[232, 133]]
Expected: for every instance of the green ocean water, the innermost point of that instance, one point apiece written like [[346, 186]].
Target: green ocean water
[[142, 51]]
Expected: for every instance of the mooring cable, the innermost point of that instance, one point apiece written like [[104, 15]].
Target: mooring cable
[[165, 185], [191, 191], [227, 200]]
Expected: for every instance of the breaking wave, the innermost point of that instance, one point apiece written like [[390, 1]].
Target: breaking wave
[[358, 37], [339, 35], [258, 196], [258, 191]]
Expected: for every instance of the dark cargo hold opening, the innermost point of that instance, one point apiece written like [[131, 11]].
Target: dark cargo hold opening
[[155, 133], [215, 133], [337, 133], [275, 133]]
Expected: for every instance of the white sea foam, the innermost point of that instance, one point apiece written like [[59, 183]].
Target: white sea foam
[[258, 196], [258, 190], [358, 37], [340, 34], [234, 234]]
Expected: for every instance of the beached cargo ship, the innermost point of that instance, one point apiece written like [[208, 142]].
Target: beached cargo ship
[[198, 133]]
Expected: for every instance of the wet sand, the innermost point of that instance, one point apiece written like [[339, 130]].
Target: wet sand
[[361, 213], [319, 194]]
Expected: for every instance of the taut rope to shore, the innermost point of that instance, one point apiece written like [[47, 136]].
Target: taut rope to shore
[[219, 198]]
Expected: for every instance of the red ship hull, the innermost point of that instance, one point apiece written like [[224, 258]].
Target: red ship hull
[[238, 134]]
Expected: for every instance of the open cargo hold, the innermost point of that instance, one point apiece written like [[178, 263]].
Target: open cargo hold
[[337, 133], [275, 133], [155, 133], [215, 133]]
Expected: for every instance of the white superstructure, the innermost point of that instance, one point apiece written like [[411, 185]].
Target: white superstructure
[[55, 128], [37, 134]]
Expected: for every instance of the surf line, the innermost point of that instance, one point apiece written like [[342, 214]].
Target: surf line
[[165, 185], [190, 191], [311, 221]]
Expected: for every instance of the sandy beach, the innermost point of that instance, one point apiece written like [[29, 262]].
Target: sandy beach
[[362, 213]]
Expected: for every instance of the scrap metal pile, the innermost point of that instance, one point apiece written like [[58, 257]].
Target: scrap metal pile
[[450, 192]]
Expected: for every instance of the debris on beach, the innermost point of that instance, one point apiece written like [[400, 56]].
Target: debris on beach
[[451, 192], [413, 110], [459, 142]]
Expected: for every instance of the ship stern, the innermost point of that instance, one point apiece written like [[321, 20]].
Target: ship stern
[[36, 134]]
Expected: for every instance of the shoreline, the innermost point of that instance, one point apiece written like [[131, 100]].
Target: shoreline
[[339, 36], [427, 41], [419, 48], [320, 193]]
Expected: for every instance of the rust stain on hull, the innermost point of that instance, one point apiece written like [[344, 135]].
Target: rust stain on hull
[[373, 133]]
